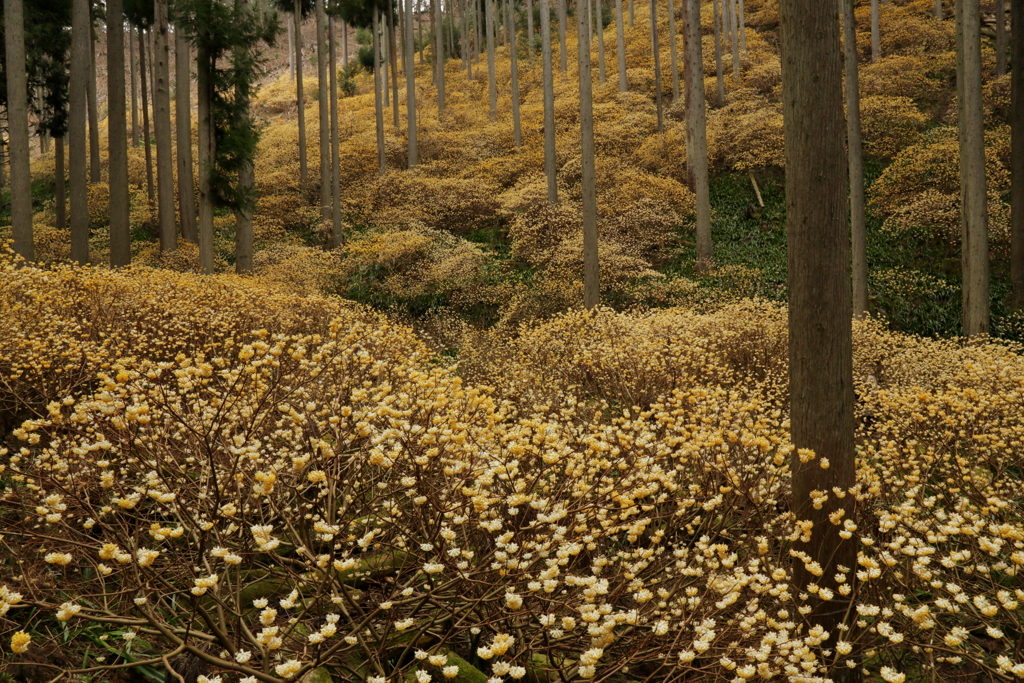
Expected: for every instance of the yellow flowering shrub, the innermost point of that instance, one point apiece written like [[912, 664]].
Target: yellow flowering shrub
[[304, 484]]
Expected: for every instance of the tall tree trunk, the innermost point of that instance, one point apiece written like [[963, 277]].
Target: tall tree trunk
[[856, 163], [162, 128], [938, 9], [17, 122], [94, 115], [741, 17], [419, 25], [973, 198], [344, 44], [81, 34], [335, 155], [549, 102], [657, 63], [1000, 38], [529, 26], [600, 43], [820, 325], [291, 49], [696, 130], [735, 15], [133, 69], [591, 286], [1017, 156], [620, 38], [378, 105], [492, 88], [246, 176], [60, 190], [563, 27], [393, 58], [439, 55], [410, 86], [719, 72], [876, 40], [323, 109], [517, 133], [300, 96], [117, 138], [183, 121], [207, 154], [631, 13], [145, 118], [672, 50]]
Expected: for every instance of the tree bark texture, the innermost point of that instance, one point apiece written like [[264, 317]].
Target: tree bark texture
[[300, 96], [146, 139], [439, 55], [133, 69], [696, 130], [117, 139], [973, 197], [410, 85], [620, 39], [246, 176], [1000, 37], [517, 134], [183, 122], [719, 72], [335, 155], [378, 104], [17, 122], [673, 57], [492, 88], [94, 114], [657, 64], [207, 154], [600, 42], [323, 118], [162, 129], [876, 40], [820, 324], [61, 188], [563, 26], [81, 34], [1017, 156], [550, 169], [854, 148], [591, 285]]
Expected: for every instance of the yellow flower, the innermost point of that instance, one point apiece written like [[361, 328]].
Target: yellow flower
[[19, 642]]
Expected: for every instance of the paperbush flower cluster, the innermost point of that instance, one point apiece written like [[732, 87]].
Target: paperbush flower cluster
[[324, 494]]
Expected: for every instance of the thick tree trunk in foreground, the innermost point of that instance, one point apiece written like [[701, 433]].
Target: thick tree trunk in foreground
[[17, 118], [1017, 157], [81, 34], [291, 48], [207, 153], [591, 291], [183, 123], [973, 198], [117, 139], [94, 112], [300, 96], [550, 169], [162, 129], [696, 130], [856, 164], [820, 324]]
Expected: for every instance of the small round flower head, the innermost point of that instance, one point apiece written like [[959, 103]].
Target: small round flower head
[[20, 642]]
